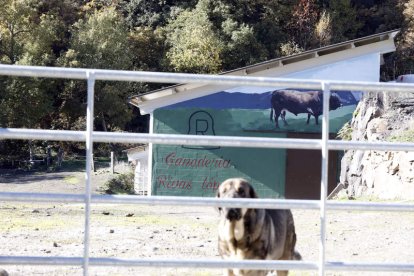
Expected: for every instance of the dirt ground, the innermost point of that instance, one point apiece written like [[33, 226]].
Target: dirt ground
[[130, 231]]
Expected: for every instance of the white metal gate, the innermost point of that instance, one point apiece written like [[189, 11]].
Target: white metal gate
[[89, 136]]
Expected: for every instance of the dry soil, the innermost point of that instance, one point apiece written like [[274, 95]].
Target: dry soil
[[131, 231]]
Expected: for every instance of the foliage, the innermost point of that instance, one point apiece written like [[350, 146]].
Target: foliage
[[100, 41], [120, 184], [344, 18], [345, 133], [323, 29], [194, 46], [405, 55], [303, 21], [290, 48], [149, 13], [250, 31], [196, 36], [404, 136]]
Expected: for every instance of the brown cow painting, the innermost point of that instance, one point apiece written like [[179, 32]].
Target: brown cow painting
[[297, 102]]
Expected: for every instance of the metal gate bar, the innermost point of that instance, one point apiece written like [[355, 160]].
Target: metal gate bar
[[160, 77], [211, 202], [89, 159], [196, 140], [207, 263], [90, 136], [324, 175]]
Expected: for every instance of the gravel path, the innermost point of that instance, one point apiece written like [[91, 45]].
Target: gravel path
[[130, 231]]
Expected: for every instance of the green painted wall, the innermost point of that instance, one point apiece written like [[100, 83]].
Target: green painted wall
[[180, 170]]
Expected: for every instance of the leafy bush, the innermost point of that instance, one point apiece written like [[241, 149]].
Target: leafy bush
[[345, 133], [120, 184]]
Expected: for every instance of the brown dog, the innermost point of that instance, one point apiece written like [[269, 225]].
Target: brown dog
[[257, 234]]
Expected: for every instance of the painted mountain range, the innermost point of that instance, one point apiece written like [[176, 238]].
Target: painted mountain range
[[227, 100]]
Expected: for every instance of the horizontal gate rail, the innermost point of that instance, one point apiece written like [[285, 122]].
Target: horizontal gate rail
[[89, 137], [206, 263], [196, 140], [159, 77], [165, 263], [365, 266], [212, 202]]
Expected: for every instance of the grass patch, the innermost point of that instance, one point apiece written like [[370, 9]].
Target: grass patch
[[35, 222], [73, 165], [404, 136], [143, 220], [71, 180], [159, 220]]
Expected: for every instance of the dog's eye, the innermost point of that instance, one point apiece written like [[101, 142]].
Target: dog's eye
[[240, 191]]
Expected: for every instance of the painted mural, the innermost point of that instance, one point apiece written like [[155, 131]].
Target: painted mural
[[251, 112], [197, 171]]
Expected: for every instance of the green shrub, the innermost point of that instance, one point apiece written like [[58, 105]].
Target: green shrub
[[345, 133], [404, 136], [120, 184]]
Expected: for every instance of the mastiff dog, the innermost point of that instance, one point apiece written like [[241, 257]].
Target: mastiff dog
[[253, 234]]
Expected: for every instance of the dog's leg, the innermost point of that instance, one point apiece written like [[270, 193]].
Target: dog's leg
[[228, 272]]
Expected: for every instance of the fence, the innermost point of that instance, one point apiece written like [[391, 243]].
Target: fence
[[89, 136]]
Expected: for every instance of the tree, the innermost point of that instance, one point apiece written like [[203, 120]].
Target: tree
[[344, 18], [29, 40], [250, 31], [153, 14], [194, 46], [15, 26], [408, 27], [323, 29], [302, 24], [26, 102], [99, 41], [148, 48], [404, 58]]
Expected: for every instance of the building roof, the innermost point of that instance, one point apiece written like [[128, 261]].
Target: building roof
[[379, 43]]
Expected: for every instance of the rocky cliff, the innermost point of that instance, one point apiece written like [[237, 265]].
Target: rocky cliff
[[380, 174]]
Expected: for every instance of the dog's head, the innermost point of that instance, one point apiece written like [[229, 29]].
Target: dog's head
[[235, 188]]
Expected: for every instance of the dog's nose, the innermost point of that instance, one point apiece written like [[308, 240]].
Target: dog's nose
[[233, 214]]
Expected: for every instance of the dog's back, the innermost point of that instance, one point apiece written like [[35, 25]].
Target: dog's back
[[284, 227]]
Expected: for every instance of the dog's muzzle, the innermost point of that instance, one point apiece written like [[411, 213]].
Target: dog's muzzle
[[233, 214]]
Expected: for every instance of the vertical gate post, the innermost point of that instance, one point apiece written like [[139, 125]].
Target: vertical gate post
[[324, 175], [89, 150]]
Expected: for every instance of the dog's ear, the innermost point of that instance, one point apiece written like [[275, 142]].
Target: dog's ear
[[252, 192]]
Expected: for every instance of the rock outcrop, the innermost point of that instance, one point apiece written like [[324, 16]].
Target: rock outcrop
[[380, 174]]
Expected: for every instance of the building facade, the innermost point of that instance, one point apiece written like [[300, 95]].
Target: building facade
[[258, 112]]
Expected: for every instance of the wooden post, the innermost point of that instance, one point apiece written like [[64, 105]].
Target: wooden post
[[112, 163]]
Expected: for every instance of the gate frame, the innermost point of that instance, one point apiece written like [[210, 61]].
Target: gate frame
[[89, 136]]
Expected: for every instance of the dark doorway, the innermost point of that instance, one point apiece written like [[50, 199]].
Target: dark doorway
[[303, 170]]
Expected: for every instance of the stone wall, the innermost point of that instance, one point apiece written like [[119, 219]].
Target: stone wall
[[380, 174]]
